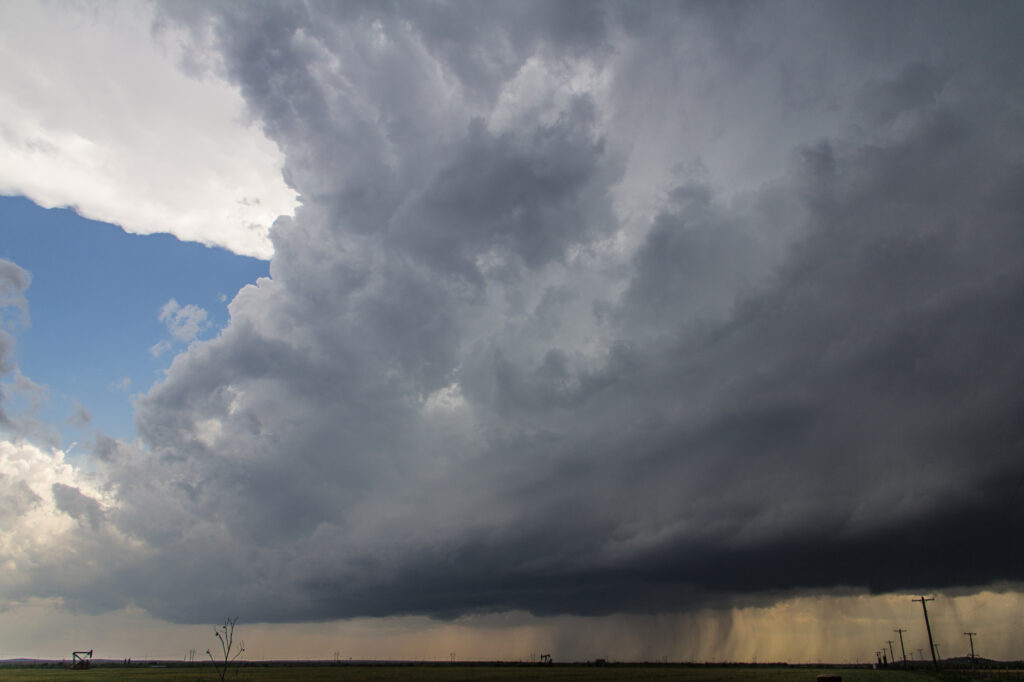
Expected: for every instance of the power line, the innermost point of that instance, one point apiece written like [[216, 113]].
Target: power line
[[901, 631], [931, 643], [971, 636]]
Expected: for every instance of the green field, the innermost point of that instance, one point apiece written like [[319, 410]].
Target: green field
[[461, 673]]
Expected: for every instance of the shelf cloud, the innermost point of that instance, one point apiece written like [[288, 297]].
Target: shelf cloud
[[592, 308]]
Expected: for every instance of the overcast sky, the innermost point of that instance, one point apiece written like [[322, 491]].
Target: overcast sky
[[622, 311]]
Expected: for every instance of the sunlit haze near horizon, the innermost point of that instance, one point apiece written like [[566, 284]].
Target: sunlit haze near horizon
[[641, 331]]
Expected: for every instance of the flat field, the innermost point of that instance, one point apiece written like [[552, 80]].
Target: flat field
[[456, 673]]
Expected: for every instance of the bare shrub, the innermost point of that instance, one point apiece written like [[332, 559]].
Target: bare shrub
[[225, 634]]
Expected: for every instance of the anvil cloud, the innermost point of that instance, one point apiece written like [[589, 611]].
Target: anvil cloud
[[590, 308]]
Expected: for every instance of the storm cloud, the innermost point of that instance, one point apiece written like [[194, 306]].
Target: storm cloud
[[598, 308]]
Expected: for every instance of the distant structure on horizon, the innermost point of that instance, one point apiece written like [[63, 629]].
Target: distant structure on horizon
[[81, 659]]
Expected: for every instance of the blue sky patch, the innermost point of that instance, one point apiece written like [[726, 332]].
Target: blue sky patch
[[94, 309]]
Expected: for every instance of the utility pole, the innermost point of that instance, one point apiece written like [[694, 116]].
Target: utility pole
[[970, 636], [901, 631], [937, 651], [924, 605], [892, 656]]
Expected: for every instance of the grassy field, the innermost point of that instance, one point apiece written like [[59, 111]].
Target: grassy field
[[458, 673]]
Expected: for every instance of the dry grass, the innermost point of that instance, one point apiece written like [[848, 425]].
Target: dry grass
[[456, 673]]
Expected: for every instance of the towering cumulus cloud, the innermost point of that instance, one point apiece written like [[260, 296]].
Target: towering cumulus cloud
[[596, 308]]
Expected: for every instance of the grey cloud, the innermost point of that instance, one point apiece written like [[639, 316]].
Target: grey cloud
[[14, 280], [700, 257], [184, 322], [104, 447], [15, 499], [526, 363], [533, 196], [77, 505], [23, 421], [13, 283], [81, 416], [917, 87]]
